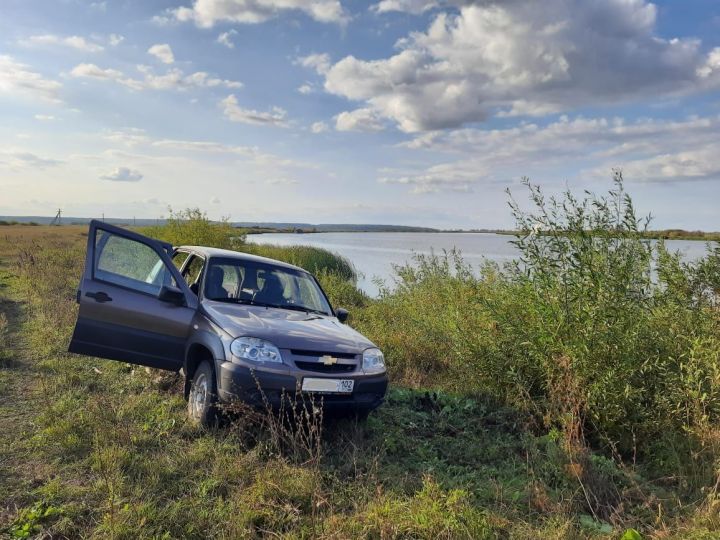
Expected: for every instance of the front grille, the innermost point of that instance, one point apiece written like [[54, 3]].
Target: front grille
[[318, 354], [319, 367]]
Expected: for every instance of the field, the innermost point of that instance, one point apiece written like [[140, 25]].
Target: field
[[570, 396]]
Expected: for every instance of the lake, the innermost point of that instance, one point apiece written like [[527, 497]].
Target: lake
[[374, 254]]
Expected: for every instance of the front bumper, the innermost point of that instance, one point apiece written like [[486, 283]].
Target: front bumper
[[258, 387]]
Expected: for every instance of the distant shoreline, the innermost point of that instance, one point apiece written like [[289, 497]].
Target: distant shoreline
[[665, 234], [306, 228]]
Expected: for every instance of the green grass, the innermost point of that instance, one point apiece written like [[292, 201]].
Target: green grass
[[572, 396]]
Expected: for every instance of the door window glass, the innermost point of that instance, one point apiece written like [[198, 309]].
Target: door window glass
[[192, 272], [179, 258], [129, 263]]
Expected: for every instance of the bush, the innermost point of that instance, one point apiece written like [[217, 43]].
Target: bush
[[581, 332], [192, 227]]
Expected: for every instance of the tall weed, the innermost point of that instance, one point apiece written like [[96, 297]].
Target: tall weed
[[192, 227]]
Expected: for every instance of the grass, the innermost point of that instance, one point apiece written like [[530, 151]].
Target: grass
[[498, 424]]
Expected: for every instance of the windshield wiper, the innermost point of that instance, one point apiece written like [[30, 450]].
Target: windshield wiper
[[291, 307], [252, 302], [302, 308]]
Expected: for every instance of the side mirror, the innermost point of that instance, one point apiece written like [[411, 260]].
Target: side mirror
[[171, 295], [341, 314]]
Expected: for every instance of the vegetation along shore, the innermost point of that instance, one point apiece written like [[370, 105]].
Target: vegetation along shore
[[574, 393]]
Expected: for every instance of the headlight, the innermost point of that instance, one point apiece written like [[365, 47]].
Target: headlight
[[373, 361], [255, 350]]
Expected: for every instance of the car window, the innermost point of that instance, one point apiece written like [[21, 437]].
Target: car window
[[231, 279], [129, 263], [179, 258], [193, 270]]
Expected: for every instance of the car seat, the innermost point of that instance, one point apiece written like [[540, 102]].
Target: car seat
[[214, 284], [272, 291]]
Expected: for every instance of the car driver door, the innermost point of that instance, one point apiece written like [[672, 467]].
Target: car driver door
[[134, 305]]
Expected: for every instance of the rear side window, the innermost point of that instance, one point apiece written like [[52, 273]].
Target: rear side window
[[129, 263], [193, 269], [179, 258]]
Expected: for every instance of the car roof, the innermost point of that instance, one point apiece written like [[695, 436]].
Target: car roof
[[211, 252]]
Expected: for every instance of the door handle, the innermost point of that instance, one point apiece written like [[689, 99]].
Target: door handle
[[99, 296]]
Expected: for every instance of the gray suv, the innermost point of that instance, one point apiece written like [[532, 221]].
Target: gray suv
[[237, 325]]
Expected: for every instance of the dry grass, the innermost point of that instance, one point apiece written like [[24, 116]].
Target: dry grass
[[13, 236]]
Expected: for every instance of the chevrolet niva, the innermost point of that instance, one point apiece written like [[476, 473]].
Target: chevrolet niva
[[240, 327]]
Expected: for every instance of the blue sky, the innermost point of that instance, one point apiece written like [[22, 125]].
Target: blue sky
[[391, 111]]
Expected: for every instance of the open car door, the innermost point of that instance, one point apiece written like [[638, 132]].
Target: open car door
[[134, 305]]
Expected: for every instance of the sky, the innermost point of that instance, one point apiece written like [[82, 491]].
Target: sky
[[417, 112]]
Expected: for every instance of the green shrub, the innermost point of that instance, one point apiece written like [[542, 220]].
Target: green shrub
[[579, 332], [192, 227]]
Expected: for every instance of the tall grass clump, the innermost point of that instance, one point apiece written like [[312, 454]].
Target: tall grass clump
[[312, 259]]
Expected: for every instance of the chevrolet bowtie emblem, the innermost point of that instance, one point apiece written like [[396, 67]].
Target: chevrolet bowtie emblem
[[328, 360]]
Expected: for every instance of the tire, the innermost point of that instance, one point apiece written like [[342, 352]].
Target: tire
[[202, 399]]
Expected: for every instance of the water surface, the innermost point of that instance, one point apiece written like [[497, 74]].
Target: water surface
[[374, 254]]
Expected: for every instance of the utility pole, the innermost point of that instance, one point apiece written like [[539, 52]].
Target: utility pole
[[57, 220]]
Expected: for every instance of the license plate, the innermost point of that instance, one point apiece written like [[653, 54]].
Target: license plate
[[330, 386]]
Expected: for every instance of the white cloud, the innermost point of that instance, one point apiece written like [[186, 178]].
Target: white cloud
[[319, 127], [233, 111], [206, 13], [92, 71], [521, 57], [22, 159], [115, 39], [226, 38], [123, 174], [281, 181], [647, 150], [416, 7], [73, 42], [172, 79], [358, 120], [712, 65], [305, 89], [458, 177], [17, 78], [162, 52], [44, 117], [694, 164], [318, 62], [203, 79], [215, 200]]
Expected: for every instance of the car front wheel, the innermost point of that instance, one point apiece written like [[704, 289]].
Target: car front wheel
[[202, 400]]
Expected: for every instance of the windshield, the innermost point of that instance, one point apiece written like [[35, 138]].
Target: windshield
[[249, 282]]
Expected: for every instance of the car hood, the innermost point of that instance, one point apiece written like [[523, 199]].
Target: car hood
[[287, 329]]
